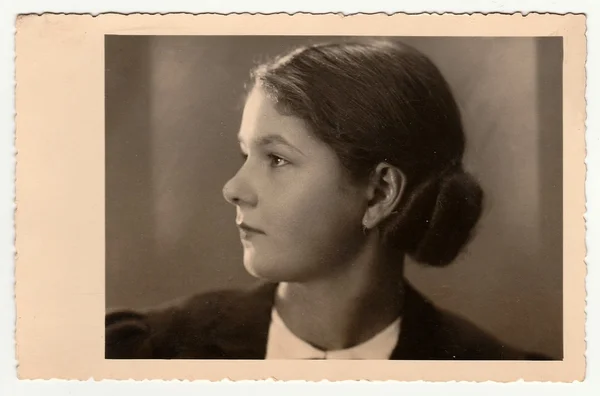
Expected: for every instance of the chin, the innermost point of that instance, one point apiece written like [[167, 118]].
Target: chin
[[271, 271], [264, 271]]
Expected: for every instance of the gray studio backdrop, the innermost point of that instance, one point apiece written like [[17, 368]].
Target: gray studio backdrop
[[173, 106]]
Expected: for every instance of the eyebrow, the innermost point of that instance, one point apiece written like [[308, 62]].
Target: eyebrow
[[274, 139]]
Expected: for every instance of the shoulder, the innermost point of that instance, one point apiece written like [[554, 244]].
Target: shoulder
[[176, 330], [443, 335], [462, 339]]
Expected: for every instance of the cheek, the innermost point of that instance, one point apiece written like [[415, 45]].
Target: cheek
[[315, 225], [313, 206]]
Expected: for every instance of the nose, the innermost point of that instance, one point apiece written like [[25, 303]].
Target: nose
[[238, 191]]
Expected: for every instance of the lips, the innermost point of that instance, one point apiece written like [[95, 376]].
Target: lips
[[248, 230]]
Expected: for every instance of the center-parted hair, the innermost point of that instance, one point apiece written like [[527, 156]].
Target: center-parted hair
[[384, 101]]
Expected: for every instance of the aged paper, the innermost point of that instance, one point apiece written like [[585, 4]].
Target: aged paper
[[60, 220]]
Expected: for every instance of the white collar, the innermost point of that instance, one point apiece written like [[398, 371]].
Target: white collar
[[283, 344]]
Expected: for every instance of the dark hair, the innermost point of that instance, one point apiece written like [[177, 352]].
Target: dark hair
[[384, 101]]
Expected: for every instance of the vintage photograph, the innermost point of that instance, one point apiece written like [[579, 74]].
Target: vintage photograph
[[300, 197], [333, 197]]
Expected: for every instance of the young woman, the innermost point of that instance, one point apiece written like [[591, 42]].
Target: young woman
[[352, 160]]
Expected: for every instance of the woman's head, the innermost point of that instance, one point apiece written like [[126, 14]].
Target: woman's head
[[385, 139]]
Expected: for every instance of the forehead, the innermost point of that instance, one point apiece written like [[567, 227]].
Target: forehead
[[261, 118]]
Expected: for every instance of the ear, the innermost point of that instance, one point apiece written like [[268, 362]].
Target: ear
[[385, 190]]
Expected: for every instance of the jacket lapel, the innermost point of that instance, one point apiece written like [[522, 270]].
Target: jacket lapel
[[419, 323], [242, 331]]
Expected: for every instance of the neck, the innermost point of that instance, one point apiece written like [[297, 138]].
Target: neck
[[348, 308]]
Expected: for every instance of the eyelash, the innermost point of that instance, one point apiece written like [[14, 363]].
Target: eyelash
[[272, 158]]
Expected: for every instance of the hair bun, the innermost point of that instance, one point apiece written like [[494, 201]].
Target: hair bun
[[441, 215]]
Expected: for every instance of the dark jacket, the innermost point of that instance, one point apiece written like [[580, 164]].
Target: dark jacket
[[235, 324]]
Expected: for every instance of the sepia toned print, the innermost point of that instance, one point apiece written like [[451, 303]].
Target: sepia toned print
[[353, 160], [339, 198]]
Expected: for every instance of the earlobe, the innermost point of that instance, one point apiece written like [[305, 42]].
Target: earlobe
[[386, 188]]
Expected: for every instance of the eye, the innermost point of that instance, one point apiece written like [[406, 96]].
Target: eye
[[244, 156], [277, 161]]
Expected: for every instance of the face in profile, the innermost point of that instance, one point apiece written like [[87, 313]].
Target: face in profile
[[298, 212]]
